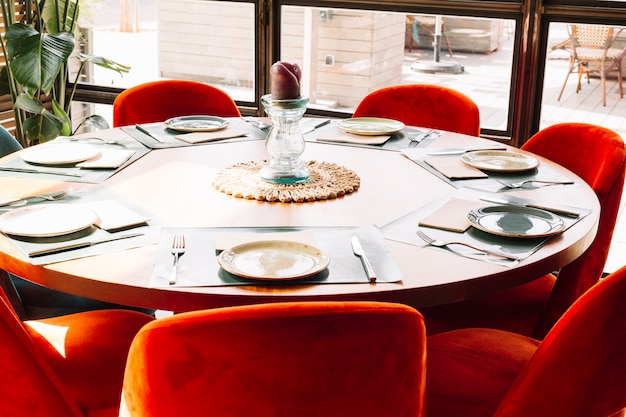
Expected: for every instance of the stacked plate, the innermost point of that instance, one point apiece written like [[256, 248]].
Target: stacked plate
[[274, 260], [370, 126], [47, 220]]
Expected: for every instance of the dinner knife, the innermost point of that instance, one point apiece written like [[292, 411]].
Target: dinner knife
[[460, 151], [147, 132], [556, 210], [41, 171], [80, 245], [309, 129], [358, 251]]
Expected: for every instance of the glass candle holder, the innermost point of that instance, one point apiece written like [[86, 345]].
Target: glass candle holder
[[285, 143]]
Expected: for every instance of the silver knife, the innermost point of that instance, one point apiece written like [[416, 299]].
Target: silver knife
[[556, 210], [358, 251], [41, 171], [460, 151], [79, 245], [147, 132], [309, 129]]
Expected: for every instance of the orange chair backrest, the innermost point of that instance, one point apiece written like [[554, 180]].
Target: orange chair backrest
[[311, 359], [598, 156], [27, 384], [423, 105], [158, 101], [579, 370]]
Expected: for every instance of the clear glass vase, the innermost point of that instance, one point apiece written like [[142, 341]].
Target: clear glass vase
[[285, 143]]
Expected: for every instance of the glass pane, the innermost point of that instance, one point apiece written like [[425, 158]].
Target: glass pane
[[345, 54], [209, 41], [560, 100]]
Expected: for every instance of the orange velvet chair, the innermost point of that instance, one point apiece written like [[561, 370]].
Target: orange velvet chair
[[423, 105], [311, 359], [70, 366], [157, 101], [598, 156], [578, 370]]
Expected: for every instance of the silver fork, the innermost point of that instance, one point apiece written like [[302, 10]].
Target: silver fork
[[178, 250], [440, 244], [520, 183], [423, 135]]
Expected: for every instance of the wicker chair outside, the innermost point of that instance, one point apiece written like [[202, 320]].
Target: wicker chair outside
[[592, 53]]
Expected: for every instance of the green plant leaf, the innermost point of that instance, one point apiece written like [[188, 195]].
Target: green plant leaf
[[94, 120], [59, 112], [36, 58], [104, 63], [4, 82], [29, 104], [42, 127], [60, 16]]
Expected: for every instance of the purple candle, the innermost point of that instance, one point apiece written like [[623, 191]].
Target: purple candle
[[285, 81]]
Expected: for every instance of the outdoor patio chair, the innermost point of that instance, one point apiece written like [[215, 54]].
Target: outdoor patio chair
[[592, 52], [578, 370], [157, 101], [313, 359]]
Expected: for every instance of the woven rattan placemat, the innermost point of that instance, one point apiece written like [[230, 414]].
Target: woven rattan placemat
[[327, 181]]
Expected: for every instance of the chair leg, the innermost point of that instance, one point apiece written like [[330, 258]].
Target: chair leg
[[12, 295], [569, 71], [619, 80]]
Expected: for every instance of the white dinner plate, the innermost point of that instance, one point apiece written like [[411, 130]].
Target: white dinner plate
[[370, 126], [59, 153], [503, 161], [196, 123], [516, 221], [47, 220], [273, 260]]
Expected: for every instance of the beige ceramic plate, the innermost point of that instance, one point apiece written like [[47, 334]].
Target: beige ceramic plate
[[370, 126], [47, 220], [504, 161], [59, 153], [516, 221], [273, 260], [196, 123]]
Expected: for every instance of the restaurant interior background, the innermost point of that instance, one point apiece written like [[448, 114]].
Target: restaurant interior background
[[508, 56]]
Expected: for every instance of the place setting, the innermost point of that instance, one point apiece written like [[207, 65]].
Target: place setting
[[272, 256], [74, 224], [485, 226], [193, 130], [491, 167], [75, 159], [376, 132]]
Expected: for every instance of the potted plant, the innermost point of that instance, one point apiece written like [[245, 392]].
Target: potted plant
[[37, 51]]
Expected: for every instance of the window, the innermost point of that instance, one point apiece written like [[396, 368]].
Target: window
[[495, 52]]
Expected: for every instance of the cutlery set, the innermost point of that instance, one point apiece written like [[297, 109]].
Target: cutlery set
[[441, 244], [358, 251], [415, 139], [178, 250]]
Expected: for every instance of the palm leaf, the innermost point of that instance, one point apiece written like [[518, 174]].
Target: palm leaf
[[37, 58]]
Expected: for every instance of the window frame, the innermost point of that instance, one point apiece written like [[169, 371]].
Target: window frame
[[532, 19]]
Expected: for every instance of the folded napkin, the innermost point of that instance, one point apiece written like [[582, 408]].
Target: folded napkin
[[350, 138], [452, 215], [108, 158], [454, 168], [114, 216], [200, 137]]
